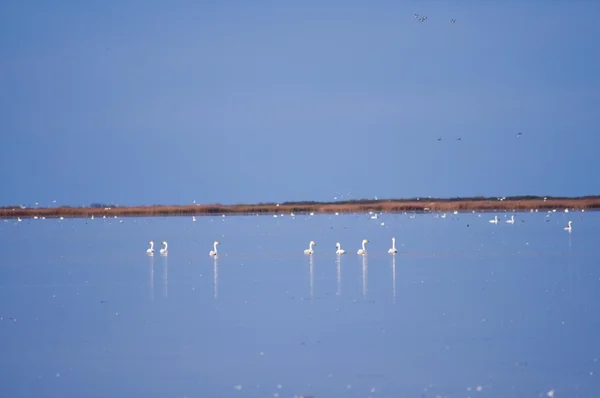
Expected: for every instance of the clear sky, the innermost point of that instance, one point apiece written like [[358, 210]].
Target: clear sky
[[166, 102]]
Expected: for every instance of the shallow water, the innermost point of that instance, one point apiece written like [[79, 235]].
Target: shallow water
[[466, 308]]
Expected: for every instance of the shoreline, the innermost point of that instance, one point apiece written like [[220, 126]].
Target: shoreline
[[420, 205]]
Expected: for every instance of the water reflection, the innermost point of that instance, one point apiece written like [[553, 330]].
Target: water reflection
[[394, 278], [166, 276], [570, 265], [338, 262], [151, 277], [364, 276], [216, 276], [311, 273]]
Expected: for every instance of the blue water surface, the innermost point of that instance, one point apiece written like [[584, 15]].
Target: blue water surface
[[466, 308]]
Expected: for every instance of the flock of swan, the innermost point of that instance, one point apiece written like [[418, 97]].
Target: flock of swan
[[495, 220], [213, 253], [165, 250], [361, 252]]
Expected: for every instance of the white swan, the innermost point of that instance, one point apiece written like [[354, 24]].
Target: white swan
[[495, 220], [151, 248], [165, 250], [363, 251], [393, 249], [339, 249], [512, 220], [568, 227], [214, 251], [310, 248]]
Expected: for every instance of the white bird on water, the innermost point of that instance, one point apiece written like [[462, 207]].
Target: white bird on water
[[495, 220], [150, 250], [568, 227], [165, 250], [310, 248], [339, 249], [214, 251], [363, 251], [393, 249], [512, 220]]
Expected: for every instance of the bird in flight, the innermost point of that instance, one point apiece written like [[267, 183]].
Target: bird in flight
[[439, 139], [459, 138], [453, 20], [518, 134]]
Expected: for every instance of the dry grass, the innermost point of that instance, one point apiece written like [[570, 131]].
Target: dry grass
[[361, 206]]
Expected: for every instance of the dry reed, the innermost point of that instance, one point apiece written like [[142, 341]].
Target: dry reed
[[358, 206]]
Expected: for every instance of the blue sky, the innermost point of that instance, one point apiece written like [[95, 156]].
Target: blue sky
[[160, 102]]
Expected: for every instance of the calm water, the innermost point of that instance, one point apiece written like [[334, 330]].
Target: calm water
[[479, 310]]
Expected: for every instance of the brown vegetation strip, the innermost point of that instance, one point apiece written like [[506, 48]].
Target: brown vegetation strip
[[386, 206]]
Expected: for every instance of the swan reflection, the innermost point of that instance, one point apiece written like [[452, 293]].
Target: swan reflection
[[166, 276], [364, 276], [339, 275], [216, 276], [570, 265], [394, 279], [311, 272], [151, 277]]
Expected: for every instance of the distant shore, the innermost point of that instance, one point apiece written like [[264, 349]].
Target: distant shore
[[479, 204]]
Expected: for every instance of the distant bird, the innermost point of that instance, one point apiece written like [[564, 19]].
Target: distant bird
[[439, 139], [518, 134], [459, 138], [494, 220], [416, 16], [568, 227], [213, 252], [165, 250], [512, 220], [362, 251], [339, 249], [151, 248], [453, 20], [310, 248], [393, 249]]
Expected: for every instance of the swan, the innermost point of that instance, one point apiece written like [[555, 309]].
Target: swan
[[151, 248], [495, 220], [339, 249], [363, 251], [512, 220], [393, 249], [568, 227], [164, 251], [214, 251], [310, 248]]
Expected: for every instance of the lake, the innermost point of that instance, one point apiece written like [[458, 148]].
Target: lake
[[465, 309]]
